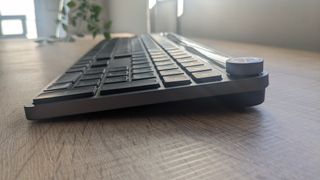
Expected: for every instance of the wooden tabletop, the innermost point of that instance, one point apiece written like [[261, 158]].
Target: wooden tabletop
[[279, 139]]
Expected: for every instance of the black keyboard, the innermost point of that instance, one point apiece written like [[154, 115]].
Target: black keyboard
[[149, 69]]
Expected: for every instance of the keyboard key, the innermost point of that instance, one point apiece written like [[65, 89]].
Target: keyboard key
[[129, 86], [74, 93], [140, 76], [156, 53], [123, 55], [176, 80], [186, 60], [206, 76], [141, 66], [119, 68], [58, 86], [171, 72], [198, 68], [95, 71], [103, 58], [139, 58], [75, 66], [100, 64], [163, 63], [139, 62], [116, 79], [167, 67], [139, 55], [91, 82], [91, 76], [81, 69], [142, 70], [193, 63], [181, 56], [69, 77], [117, 73], [159, 56], [161, 59]]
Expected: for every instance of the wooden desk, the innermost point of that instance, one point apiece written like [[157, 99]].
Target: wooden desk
[[202, 140]]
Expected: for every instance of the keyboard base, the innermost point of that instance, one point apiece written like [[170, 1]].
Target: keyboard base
[[245, 92]]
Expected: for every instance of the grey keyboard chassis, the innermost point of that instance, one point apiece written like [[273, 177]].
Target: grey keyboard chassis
[[149, 69]]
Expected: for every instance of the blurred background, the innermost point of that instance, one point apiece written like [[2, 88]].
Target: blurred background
[[286, 23]]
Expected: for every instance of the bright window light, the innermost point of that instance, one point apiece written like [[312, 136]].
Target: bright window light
[[152, 3], [180, 8], [11, 27], [20, 7]]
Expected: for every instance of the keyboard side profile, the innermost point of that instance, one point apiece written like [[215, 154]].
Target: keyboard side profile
[[149, 69]]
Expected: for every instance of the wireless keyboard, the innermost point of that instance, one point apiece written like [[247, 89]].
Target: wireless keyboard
[[149, 69]]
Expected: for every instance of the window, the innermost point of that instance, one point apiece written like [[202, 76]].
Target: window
[[18, 8]]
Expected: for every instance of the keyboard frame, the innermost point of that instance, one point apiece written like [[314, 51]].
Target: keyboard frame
[[228, 86]]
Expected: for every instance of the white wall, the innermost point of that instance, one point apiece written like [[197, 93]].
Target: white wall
[[291, 23], [164, 16], [127, 15]]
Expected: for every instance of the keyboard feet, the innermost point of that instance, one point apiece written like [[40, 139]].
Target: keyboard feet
[[243, 99]]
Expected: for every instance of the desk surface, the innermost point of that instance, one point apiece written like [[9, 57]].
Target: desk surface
[[202, 140]]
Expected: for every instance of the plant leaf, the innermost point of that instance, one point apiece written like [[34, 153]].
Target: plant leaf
[[71, 4], [64, 27], [107, 35], [63, 11], [74, 21], [107, 25]]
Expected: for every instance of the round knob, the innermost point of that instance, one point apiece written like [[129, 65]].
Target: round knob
[[244, 66]]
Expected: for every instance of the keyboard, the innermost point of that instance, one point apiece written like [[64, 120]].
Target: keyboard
[[149, 69]]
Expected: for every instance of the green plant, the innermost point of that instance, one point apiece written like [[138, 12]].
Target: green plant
[[77, 12]]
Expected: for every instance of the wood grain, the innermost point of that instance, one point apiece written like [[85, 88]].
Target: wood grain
[[184, 140]]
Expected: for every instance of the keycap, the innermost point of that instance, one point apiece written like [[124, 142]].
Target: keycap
[[181, 56], [142, 70], [206, 76], [58, 86], [171, 72], [139, 62], [140, 76], [161, 59], [141, 66], [69, 77], [138, 55], [81, 69], [119, 68], [91, 82], [156, 53], [103, 58], [116, 79], [163, 63], [186, 60], [95, 71], [79, 66], [100, 64], [139, 58], [198, 68], [91, 76], [124, 55], [159, 56], [193, 63], [117, 73], [69, 94], [176, 80], [129, 86], [167, 67]]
